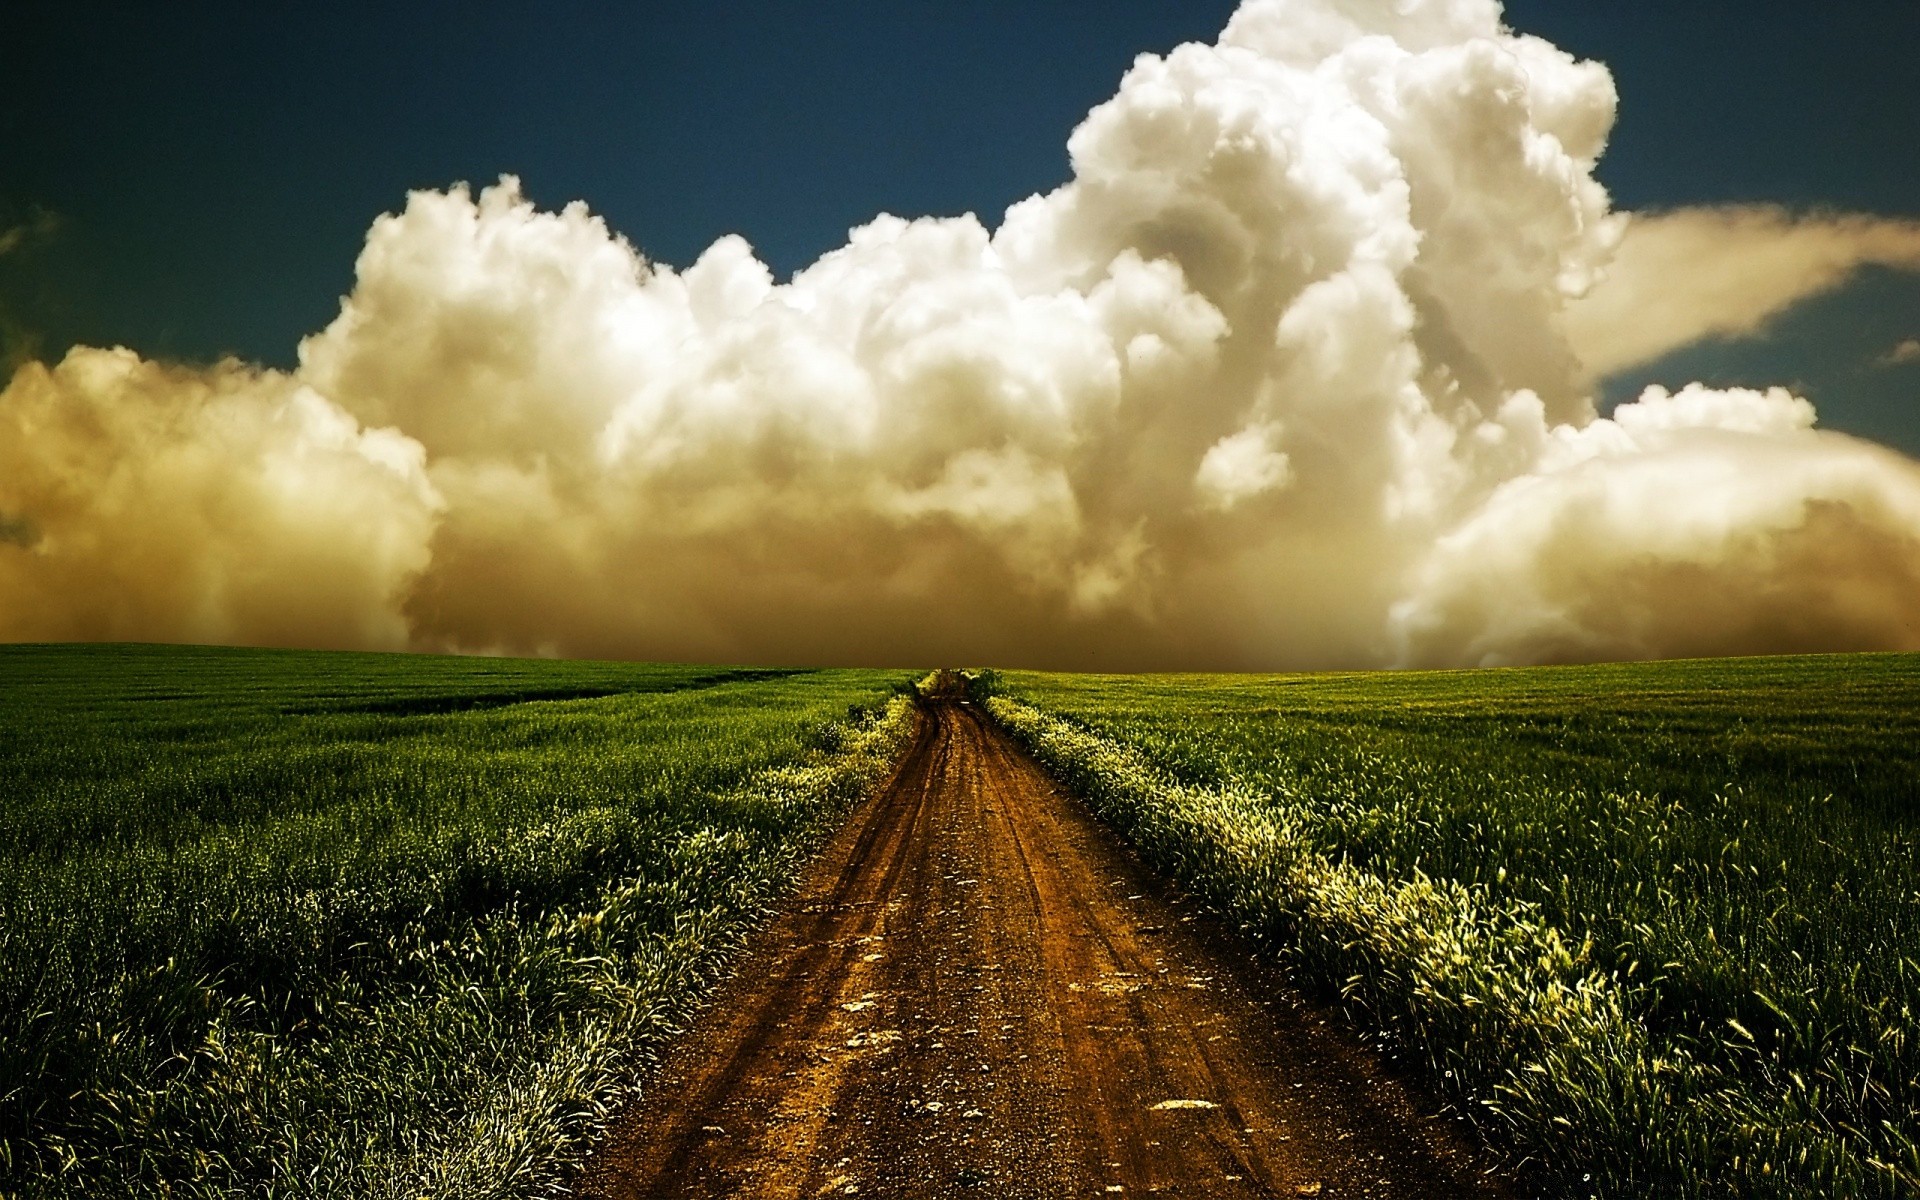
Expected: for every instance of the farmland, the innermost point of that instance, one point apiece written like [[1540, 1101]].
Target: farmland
[[276, 923], [1652, 927], [978, 992], [289, 924]]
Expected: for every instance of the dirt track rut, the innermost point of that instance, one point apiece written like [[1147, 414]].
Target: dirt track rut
[[977, 992]]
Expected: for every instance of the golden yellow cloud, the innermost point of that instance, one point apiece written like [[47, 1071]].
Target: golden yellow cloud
[[1695, 273]]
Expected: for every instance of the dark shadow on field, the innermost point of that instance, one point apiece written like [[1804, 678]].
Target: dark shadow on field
[[436, 705]]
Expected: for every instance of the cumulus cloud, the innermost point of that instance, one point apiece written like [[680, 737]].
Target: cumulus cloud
[[225, 505], [1295, 370], [1695, 523], [1723, 272]]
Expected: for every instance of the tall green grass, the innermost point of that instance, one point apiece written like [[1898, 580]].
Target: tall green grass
[[279, 924], [1656, 927]]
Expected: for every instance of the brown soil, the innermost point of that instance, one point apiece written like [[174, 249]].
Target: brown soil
[[979, 992]]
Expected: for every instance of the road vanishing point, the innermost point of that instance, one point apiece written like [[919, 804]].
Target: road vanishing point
[[979, 991]]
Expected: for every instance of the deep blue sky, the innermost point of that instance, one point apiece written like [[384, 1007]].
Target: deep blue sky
[[212, 168]]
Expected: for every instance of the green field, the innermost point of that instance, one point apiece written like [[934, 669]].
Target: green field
[[278, 923], [1655, 928]]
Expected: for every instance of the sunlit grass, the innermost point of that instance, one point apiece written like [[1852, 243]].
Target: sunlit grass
[[299, 924], [1653, 925]]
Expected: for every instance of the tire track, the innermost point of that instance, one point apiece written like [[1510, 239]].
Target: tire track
[[979, 991]]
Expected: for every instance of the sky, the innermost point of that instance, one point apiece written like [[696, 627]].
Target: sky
[[193, 182], [211, 168]]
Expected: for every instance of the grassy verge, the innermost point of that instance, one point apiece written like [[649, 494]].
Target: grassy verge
[[280, 924], [1651, 926]]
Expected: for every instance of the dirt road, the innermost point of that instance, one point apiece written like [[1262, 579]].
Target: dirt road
[[977, 992]]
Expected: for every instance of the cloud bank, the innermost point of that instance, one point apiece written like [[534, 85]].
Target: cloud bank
[[1296, 370]]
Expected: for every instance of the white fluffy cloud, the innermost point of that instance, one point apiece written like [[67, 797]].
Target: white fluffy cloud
[[1694, 523], [1293, 371]]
